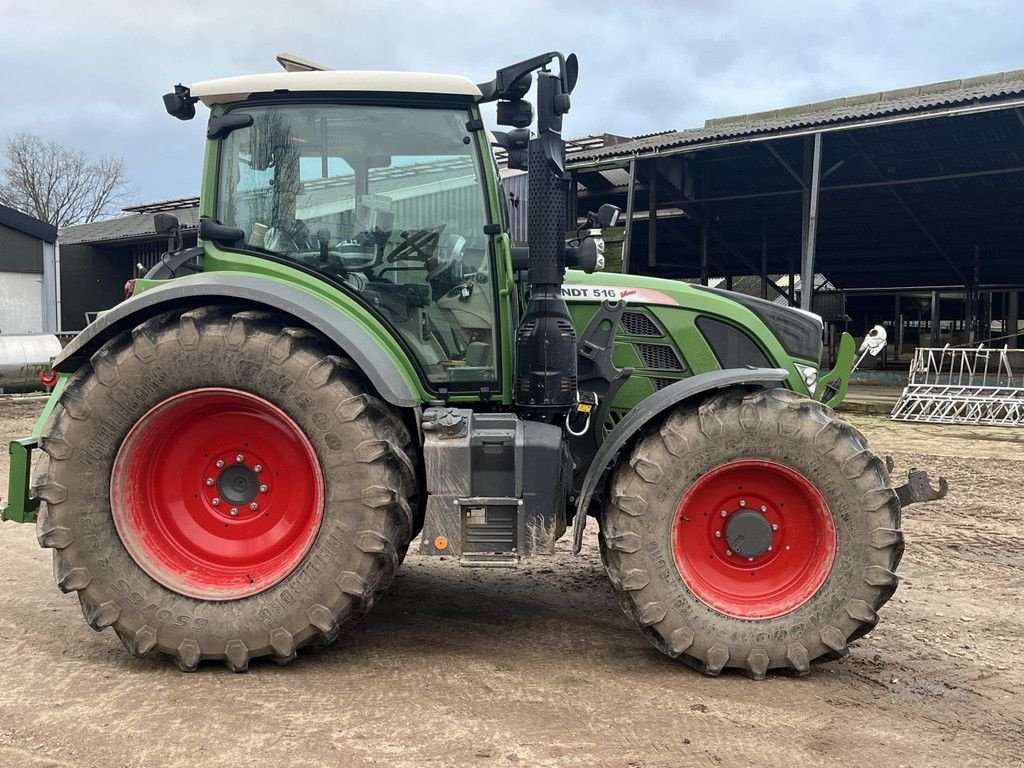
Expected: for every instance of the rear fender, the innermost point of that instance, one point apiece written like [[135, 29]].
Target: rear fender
[[250, 291], [693, 388]]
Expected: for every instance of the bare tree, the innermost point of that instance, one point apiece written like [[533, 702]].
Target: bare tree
[[60, 185]]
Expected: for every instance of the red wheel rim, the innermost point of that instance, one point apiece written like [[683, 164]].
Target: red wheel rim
[[753, 539], [217, 494]]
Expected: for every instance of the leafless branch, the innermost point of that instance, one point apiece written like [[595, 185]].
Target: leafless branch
[[59, 184]]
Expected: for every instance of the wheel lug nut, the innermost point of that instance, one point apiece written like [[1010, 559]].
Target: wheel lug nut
[[743, 503], [728, 552], [209, 481], [718, 534], [220, 463], [254, 506], [775, 526], [769, 547], [723, 513], [234, 511], [750, 559], [764, 508], [215, 502], [264, 488], [258, 468], [240, 458]]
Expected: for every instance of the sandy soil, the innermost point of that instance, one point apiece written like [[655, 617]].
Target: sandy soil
[[538, 667]]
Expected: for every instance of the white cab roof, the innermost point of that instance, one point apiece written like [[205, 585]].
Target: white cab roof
[[239, 88]]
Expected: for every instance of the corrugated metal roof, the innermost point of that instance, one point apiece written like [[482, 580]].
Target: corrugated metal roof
[[27, 225], [921, 98], [136, 226]]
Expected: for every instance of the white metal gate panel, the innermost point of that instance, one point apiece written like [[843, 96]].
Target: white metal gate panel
[[955, 385]]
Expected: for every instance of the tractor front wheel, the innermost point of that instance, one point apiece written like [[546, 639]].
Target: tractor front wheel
[[756, 531], [220, 486]]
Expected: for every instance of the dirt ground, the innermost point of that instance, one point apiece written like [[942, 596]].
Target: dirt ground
[[538, 666]]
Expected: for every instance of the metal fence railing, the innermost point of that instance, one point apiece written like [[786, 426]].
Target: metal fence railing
[[957, 385]]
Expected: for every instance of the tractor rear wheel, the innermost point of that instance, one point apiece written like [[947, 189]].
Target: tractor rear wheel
[[756, 531], [221, 487]]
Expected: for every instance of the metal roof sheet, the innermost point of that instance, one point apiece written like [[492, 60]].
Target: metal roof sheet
[[27, 225], [138, 225], [866, 107]]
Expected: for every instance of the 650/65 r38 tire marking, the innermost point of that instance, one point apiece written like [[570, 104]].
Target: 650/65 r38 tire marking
[[217, 493]]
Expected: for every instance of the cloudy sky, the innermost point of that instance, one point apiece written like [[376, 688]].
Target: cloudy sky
[[90, 73]]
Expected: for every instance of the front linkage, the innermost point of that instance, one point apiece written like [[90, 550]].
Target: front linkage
[[22, 506]]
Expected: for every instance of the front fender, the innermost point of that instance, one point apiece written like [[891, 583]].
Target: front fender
[[366, 352], [651, 407]]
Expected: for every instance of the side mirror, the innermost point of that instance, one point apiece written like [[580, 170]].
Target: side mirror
[[180, 103], [165, 223]]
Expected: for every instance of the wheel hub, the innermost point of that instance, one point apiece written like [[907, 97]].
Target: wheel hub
[[238, 484], [749, 534]]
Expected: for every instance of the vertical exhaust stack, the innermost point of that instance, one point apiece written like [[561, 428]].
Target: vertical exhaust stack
[[545, 382], [546, 338]]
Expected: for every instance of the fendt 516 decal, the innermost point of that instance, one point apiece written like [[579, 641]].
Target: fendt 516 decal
[[630, 295]]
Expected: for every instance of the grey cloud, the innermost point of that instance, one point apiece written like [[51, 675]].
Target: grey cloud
[[90, 73]]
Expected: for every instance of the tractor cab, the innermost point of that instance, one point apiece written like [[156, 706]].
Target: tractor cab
[[390, 200]]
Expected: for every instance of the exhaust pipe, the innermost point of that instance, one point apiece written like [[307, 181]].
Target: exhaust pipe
[[546, 338]]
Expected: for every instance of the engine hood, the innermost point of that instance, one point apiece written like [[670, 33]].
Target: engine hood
[[797, 331]]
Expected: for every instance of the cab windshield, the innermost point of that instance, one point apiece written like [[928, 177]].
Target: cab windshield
[[388, 202]]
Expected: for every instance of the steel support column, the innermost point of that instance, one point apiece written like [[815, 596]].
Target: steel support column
[[812, 175], [764, 258], [897, 320], [973, 304], [705, 246], [792, 278], [652, 220], [627, 236], [935, 331], [1012, 318]]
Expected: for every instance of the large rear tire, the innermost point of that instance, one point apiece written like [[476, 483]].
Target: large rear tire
[[756, 531], [221, 487]]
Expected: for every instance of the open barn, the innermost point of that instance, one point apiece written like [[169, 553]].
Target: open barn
[[900, 207]]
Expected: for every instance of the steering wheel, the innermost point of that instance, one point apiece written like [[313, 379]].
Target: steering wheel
[[419, 244]]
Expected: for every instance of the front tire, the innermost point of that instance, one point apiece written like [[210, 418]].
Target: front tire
[[757, 532], [220, 487]]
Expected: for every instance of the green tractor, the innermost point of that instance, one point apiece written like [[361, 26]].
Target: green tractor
[[237, 457]]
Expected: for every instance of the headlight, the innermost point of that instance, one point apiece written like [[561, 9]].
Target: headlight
[[808, 373]]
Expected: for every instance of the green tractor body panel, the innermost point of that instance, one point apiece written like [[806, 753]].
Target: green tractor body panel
[[659, 337]]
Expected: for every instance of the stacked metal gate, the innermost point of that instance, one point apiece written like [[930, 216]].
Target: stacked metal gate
[[954, 385]]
